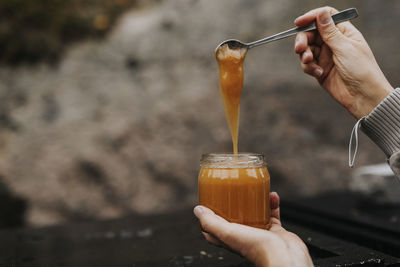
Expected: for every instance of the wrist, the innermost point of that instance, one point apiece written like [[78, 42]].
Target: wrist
[[381, 90], [376, 93]]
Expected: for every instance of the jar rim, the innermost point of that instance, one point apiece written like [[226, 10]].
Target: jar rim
[[231, 160]]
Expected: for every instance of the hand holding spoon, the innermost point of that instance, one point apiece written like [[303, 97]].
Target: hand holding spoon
[[344, 15]]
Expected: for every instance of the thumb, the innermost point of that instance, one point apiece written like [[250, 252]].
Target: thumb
[[210, 222], [330, 34]]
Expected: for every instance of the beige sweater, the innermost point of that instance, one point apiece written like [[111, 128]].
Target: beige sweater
[[382, 125]]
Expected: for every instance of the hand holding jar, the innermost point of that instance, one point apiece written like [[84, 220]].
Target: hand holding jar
[[275, 247]]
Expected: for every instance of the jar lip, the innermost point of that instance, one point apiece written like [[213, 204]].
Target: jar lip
[[233, 154], [231, 160]]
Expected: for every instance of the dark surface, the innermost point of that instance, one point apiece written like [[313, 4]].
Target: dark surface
[[175, 239], [161, 240]]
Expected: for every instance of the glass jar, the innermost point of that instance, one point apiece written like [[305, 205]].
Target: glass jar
[[236, 187]]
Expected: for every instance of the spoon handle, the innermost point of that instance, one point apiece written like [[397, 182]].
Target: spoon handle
[[344, 15]]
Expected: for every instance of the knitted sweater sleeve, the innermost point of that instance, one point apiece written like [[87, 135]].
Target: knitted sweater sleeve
[[382, 125]]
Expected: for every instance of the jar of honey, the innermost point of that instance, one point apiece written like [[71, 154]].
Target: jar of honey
[[236, 187]]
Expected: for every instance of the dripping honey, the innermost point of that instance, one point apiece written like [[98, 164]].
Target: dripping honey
[[230, 63]]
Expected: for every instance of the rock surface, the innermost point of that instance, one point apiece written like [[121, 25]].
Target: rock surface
[[119, 125]]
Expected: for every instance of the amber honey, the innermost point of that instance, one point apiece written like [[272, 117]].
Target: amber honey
[[230, 63], [236, 187]]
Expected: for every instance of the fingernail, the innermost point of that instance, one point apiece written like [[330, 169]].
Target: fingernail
[[318, 72], [198, 210], [325, 17]]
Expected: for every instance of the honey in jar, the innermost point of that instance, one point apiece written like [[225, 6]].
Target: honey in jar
[[236, 187]]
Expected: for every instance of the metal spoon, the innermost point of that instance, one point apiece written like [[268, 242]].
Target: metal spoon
[[344, 15]]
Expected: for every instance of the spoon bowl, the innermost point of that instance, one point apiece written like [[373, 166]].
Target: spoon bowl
[[233, 44]]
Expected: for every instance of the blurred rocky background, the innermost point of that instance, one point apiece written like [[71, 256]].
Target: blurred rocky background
[[106, 106]]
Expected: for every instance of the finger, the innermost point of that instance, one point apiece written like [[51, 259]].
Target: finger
[[330, 34], [275, 213], [316, 52], [346, 27], [325, 58], [212, 223], [303, 39], [307, 56], [275, 224], [318, 40], [274, 200], [237, 237], [212, 239], [312, 69], [311, 16], [274, 203]]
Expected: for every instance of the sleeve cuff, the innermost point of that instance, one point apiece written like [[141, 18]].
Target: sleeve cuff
[[382, 125]]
